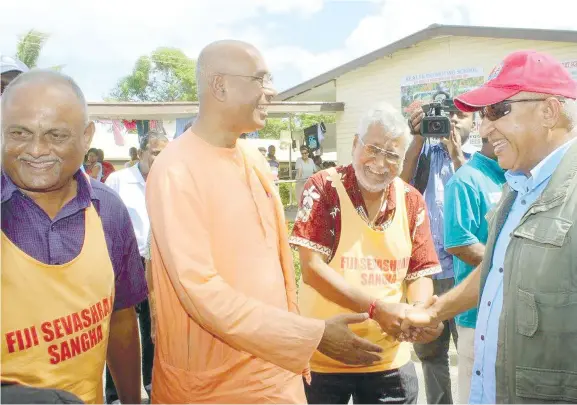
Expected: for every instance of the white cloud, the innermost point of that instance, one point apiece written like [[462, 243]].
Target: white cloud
[[99, 40], [396, 19]]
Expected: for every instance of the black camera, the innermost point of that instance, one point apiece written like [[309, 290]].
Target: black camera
[[436, 122]]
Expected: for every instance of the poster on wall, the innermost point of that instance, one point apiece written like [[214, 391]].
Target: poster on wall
[[571, 66], [420, 88]]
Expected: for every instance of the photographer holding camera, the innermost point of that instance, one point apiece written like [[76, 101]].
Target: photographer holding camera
[[429, 167]]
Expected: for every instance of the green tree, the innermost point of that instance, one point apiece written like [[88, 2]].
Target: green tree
[[29, 48], [274, 126], [166, 75]]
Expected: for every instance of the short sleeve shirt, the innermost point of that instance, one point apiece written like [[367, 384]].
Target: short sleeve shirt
[[318, 225]]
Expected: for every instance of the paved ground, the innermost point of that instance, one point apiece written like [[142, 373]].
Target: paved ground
[[453, 369], [422, 396]]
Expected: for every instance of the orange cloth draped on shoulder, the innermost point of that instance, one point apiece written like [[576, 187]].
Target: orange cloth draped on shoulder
[[228, 329]]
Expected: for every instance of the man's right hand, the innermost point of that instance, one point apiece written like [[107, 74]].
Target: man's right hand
[[422, 316], [341, 344], [390, 316]]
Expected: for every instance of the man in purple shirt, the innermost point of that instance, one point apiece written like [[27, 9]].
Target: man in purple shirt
[[45, 199]]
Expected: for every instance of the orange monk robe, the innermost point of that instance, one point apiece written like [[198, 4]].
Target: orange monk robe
[[227, 327]]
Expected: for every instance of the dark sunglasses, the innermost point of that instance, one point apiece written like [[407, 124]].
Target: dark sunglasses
[[495, 111]]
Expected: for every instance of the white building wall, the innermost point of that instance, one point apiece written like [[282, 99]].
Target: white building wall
[[381, 80]]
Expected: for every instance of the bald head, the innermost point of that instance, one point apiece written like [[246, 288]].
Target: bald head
[[234, 88], [45, 131], [224, 57], [46, 77]]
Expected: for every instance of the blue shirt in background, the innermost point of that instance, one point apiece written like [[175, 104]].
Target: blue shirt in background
[[469, 196], [441, 171]]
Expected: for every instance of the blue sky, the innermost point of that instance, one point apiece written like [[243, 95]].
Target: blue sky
[[98, 41]]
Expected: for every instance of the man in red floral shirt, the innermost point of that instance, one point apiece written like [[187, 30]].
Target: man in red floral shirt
[[365, 245]]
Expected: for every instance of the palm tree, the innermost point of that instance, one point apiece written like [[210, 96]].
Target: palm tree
[[30, 46]]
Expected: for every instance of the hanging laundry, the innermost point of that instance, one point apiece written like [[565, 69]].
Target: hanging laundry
[[117, 129], [142, 128], [130, 125], [181, 124]]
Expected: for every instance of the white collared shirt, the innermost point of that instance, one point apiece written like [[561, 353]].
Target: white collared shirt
[[131, 187]]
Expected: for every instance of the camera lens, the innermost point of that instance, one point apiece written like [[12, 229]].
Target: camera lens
[[435, 126]]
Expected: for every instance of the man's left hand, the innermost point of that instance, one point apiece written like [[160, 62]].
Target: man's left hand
[[453, 144]]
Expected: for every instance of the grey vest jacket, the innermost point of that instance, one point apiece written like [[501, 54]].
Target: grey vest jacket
[[537, 345]]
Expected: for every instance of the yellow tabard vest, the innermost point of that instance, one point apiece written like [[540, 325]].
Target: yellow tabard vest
[[373, 261], [55, 318]]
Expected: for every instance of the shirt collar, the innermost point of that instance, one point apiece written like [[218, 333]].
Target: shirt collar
[[135, 175], [84, 195], [544, 169]]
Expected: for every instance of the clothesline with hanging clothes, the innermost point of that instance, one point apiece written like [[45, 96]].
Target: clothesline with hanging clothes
[[120, 127]]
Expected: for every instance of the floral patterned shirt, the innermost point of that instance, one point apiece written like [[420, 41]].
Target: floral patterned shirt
[[318, 222]]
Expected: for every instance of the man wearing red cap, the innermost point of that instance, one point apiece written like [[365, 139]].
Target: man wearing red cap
[[527, 320]]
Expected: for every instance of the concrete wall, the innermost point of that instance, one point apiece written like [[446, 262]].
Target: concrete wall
[[381, 80]]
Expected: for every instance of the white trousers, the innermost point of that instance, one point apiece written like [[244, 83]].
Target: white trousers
[[466, 356]]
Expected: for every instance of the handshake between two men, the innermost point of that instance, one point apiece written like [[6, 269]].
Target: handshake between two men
[[404, 322]]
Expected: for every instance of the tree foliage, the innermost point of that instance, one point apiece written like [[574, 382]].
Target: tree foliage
[[29, 48], [274, 126], [165, 75]]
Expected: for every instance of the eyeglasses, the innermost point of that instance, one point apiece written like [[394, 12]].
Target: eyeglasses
[[265, 81], [374, 151], [495, 111]]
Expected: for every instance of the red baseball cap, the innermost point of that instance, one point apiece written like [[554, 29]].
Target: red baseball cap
[[530, 71]]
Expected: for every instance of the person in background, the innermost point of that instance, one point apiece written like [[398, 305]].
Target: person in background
[[262, 150], [133, 157], [524, 284], [273, 162], [227, 323], [365, 246], [130, 184], [305, 167], [92, 166], [429, 167], [470, 194], [107, 167], [10, 69], [70, 260]]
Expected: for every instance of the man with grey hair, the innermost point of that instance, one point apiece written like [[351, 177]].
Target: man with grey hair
[[130, 185], [365, 246], [526, 283]]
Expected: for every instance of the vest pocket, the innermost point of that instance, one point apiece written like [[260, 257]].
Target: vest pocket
[[544, 261], [527, 315], [546, 384]]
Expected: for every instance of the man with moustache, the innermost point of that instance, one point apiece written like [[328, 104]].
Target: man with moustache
[[469, 196], [527, 313], [227, 322], [429, 167], [71, 271], [130, 184], [365, 246]]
